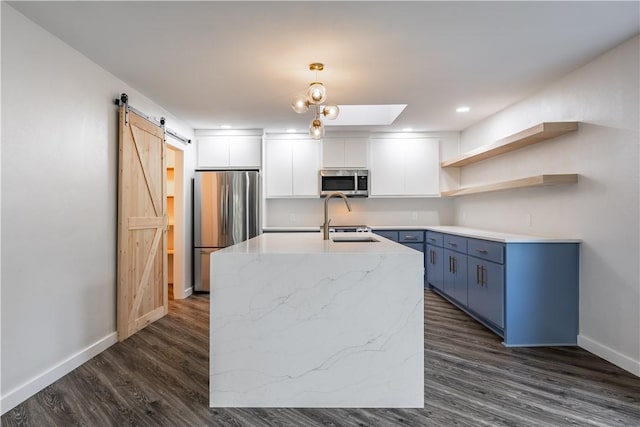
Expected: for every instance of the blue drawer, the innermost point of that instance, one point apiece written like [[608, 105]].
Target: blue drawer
[[391, 235], [411, 236], [434, 238], [455, 243], [485, 249]]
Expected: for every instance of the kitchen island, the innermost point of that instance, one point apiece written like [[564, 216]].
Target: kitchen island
[[298, 321]]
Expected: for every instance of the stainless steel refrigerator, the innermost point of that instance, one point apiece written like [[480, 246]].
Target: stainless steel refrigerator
[[226, 211]]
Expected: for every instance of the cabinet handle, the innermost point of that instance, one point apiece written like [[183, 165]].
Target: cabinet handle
[[483, 276], [455, 261], [477, 274], [450, 268], [482, 251]]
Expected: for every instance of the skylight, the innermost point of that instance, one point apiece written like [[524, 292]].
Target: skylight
[[366, 115]]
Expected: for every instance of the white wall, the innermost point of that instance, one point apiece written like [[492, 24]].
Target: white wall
[[602, 209], [59, 213], [371, 211]]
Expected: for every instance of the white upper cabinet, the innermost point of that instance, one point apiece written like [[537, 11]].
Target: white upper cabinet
[[291, 167], [229, 151], [404, 167], [344, 153]]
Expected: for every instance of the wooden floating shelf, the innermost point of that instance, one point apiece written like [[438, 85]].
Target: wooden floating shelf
[[533, 135], [531, 181]]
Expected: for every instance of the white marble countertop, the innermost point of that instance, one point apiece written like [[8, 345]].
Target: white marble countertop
[[476, 233], [312, 243], [291, 229], [498, 236]]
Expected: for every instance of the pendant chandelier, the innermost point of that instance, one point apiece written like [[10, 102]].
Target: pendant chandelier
[[314, 96]]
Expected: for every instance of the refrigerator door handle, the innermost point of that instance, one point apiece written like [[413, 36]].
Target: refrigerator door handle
[[225, 212]]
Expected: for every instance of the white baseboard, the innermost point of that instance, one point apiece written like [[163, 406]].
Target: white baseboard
[[34, 385], [610, 355], [182, 293]]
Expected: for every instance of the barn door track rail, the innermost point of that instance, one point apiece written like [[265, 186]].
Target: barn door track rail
[[123, 101]]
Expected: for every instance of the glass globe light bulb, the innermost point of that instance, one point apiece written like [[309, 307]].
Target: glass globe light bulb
[[300, 103], [316, 130], [317, 93], [330, 111]]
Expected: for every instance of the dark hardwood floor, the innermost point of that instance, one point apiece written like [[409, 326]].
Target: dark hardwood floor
[[159, 377]]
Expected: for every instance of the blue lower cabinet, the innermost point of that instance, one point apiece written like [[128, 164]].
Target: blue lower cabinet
[[434, 262], [525, 292], [455, 275], [485, 281]]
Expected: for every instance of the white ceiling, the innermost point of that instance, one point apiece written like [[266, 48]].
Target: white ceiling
[[239, 63]]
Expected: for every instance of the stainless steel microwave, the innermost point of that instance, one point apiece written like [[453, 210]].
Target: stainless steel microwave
[[351, 182]]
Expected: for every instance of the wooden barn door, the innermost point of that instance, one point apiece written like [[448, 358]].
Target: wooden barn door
[[142, 225]]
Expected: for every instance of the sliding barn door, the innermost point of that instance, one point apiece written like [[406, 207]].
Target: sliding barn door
[[142, 224]]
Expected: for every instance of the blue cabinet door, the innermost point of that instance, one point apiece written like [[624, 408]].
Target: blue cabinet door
[[434, 260], [455, 276], [485, 281]]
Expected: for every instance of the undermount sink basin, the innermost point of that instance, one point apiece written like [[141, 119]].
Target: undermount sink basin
[[351, 239]]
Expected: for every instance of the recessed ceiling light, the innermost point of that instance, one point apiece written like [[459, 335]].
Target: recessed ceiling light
[[225, 126], [407, 129], [291, 130], [463, 109]]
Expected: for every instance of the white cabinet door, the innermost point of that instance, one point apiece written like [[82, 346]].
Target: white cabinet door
[[245, 152], [387, 167], [213, 152], [229, 152], [306, 166], [344, 153], [333, 153], [422, 167], [355, 152], [405, 167], [278, 168], [292, 167]]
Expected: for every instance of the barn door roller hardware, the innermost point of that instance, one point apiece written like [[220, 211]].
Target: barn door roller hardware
[[123, 101]]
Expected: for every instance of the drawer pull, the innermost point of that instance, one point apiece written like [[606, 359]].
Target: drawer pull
[[482, 251], [455, 245], [431, 239], [410, 237]]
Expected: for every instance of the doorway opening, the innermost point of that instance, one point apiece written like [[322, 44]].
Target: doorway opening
[[175, 227]]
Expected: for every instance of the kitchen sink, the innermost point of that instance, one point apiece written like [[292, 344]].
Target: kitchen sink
[[352, 239]]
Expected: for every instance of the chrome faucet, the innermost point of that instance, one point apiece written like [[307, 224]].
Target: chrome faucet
[[325, 226]]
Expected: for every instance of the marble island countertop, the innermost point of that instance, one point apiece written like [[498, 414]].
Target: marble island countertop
[[312, 243], [298, 321]]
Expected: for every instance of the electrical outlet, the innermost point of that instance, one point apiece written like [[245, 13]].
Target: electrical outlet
[[292, 217]]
